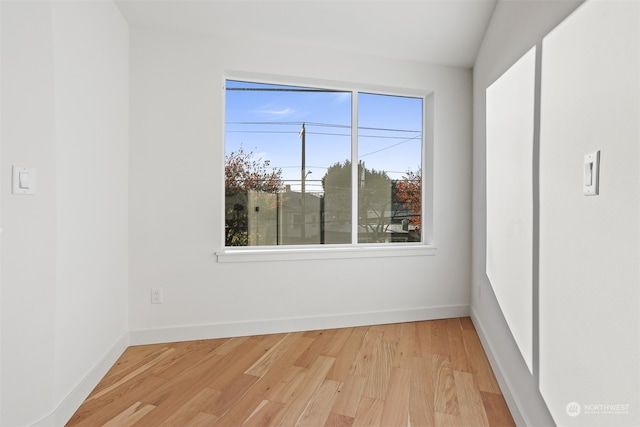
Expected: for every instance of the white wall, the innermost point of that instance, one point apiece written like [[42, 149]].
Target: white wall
[[515, 28], [91, 68], [590, 245], [586, 297], [28, 263], [509, 148], [64, 250], [176, 185], [1, 180]]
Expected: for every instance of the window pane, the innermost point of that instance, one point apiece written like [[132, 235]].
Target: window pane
[[287, 165], [389, 168]]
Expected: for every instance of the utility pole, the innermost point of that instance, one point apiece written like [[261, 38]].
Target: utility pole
[[303, 177]]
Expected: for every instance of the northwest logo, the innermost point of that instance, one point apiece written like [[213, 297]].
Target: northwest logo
[[573, 409]]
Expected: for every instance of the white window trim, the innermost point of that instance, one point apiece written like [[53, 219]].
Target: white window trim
[[342, 251], [319, 252]]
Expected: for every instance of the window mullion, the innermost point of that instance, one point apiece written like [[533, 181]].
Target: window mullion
[[354, 168]]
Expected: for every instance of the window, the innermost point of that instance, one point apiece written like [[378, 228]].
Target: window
[[290, 174]]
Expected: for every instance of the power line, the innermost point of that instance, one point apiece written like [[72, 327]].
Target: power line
[[317, 133], [324, 125], [263, 131], [386, 148], [404, 139], [266, 89], [266, 123]]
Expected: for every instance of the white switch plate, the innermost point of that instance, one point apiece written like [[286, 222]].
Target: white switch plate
[[24, 180], [156, 295], [591, 174]]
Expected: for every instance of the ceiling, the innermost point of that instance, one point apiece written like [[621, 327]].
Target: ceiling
[[443, 32]]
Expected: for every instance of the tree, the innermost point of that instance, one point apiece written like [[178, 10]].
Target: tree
[[336, 184], [381, 200], [374, 198], [409, 193], [375, 208], [243, 173]]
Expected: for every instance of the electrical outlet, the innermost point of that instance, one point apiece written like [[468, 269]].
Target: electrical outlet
[[156, 295]]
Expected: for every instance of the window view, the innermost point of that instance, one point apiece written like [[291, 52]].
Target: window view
[[389, 168], [289, 175]]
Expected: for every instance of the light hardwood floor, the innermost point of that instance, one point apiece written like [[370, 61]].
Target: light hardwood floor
[[409, 374]]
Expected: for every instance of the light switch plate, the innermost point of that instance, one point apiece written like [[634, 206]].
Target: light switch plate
[[591, 174], [24, 180]]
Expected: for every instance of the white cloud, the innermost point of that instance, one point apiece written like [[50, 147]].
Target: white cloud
[[282, 112], [272, 109]]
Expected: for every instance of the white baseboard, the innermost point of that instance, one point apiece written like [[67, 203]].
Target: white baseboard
[[510, 396], [70, 404], [272, 326]]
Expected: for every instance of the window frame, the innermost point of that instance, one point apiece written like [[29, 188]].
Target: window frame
[[343, 250]]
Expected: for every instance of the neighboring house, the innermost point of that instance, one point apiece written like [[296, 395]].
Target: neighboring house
[[284, 218], [289, 218]]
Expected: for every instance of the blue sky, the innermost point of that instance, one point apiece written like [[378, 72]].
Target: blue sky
[[268, 123]]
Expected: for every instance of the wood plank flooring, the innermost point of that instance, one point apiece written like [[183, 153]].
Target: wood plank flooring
[[432, 373]]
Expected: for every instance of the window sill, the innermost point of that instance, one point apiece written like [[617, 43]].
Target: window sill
[[326, 252]]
